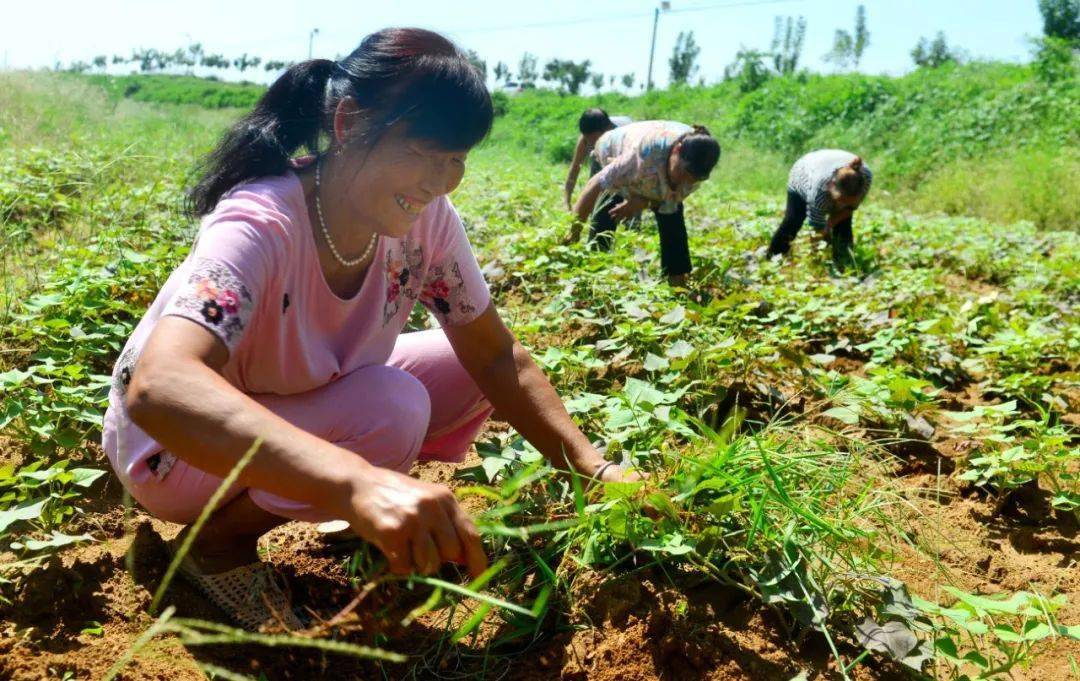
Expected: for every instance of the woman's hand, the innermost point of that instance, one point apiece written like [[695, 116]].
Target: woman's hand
[[417, 525], [568, 194], [620, 474], [628, 208]]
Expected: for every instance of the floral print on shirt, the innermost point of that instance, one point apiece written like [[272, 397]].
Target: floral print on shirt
[[216, 298], [403, 261], [442, 290], [445, 294]]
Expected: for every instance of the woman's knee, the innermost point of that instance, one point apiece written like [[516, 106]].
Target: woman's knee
[[391, 435]]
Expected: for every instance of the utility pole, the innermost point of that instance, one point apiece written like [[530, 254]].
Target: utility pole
[[311, 41], [665, 5]]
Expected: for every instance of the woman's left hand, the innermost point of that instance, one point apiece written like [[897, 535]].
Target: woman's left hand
[[621, 474], [628, 208]]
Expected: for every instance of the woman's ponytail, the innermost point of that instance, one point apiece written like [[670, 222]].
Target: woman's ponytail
[[290, 115]]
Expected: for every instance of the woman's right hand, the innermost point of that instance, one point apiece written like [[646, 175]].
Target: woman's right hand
[[417, 525]]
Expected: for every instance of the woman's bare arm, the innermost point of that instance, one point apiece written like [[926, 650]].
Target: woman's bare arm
[[522, 394], [179, 398], [575, 169]]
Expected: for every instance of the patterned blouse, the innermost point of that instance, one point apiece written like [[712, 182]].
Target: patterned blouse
[[810, 177], [634, 160]]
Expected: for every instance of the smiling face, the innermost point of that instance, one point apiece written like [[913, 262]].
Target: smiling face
[[386, 187]]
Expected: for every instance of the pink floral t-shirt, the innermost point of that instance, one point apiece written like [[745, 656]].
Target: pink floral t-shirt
[[253, 279]]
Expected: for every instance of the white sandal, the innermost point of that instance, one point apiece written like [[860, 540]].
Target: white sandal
[[254, 596], [336, 532]]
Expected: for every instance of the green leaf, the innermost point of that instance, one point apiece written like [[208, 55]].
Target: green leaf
[[1036, 631], [893, 638], [847, 415], [13, 378], [985, 604], [947, 647], [1071, 631], [655, 363], [55, 541], [680, 349], [677, 314], [640, 392], [1007, 634], [25, 511], [621, 490], [85, 477]]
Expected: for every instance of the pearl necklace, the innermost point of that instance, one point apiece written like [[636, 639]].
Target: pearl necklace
[[326, 232]]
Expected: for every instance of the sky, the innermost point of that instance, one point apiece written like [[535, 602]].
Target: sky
[[613, 34]]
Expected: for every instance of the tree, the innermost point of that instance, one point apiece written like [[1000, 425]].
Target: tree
[[502, 72], [749, 69], [117, 59], [244, 62], [683, 60], [570, 75], [847, 49], [478, 63], [933, 54], [215, 61], [842, 51], [1061, 19], [101, 61], [276, 65], [527, 73], [195, 54], [628, 81], [862, 35], [787, 43], [597, 80]]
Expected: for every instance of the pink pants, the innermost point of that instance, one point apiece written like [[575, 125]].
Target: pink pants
[[421, 405]]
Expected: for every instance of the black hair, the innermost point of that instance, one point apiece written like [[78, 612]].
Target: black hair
[[594, 120], [699, 152], [396, 75], [849, 180]]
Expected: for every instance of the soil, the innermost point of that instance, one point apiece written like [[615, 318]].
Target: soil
[[79, 613], [84, 609]]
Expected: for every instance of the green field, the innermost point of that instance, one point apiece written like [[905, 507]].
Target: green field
[[851, 476]]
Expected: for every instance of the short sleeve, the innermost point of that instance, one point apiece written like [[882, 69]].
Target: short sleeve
[[224, 279], [620, 172], [454, 288]]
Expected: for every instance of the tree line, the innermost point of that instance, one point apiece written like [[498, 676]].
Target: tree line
[[1055, 57]]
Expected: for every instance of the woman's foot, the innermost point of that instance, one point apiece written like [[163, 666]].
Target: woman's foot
[[253, 595], [214, 556]]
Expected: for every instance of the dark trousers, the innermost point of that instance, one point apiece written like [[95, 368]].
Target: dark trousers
[[794, 217], [674, 246]]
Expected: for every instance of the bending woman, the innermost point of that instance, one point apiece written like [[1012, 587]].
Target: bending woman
[[652, 164], [592, 124], [285, 323], [825, 187]]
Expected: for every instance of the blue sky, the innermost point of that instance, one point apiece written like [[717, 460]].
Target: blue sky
[[614, 34]]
